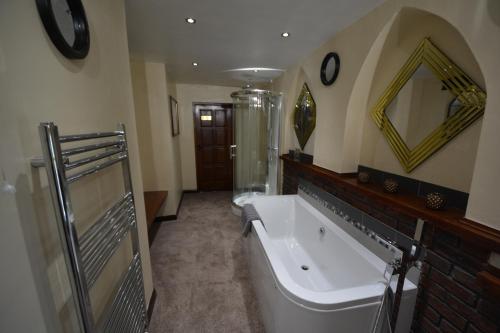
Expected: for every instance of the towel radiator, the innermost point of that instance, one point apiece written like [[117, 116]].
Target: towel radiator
[[87, 255]]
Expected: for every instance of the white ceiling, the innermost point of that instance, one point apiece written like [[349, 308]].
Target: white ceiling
[[232, 34]]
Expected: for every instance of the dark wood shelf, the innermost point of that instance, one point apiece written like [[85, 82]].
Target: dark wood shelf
[[451, 219], [153, 200]]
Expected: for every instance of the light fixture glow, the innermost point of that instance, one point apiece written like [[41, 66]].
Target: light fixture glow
[[195, 64], [285, 34], [255, 70], [190, 20]]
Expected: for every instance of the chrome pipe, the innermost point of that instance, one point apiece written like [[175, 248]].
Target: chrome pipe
[[129, 305], [59, 190], [96, 168], [117, 306], [90, 159], [105, 235], [128, 188], [104, 253], [89, 136], [112, 317], [84, 149], [111, 309], [107, 247], [110, 213]]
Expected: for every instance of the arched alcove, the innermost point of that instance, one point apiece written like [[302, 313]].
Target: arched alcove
[[452, 165]]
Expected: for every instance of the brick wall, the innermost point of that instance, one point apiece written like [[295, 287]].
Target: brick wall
[[449, 299]]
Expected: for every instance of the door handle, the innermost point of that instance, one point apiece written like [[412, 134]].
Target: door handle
[[232, 151]]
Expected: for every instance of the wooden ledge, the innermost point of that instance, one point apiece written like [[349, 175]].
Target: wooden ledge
[[451, 219]]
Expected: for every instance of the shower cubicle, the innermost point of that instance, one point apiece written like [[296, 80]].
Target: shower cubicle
[[256, 116]]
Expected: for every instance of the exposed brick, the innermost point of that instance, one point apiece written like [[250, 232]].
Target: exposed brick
[[380, 215], [458, 257], [446, 327], [438, 262], [471, 314], [481, 253], [436, 290], [447, 312], [489, 310], [406, 229], [425, 268], [462, 293], [472, 329], [447, 238], [428, 235], [425, 326], [431, 315], [465, 278]]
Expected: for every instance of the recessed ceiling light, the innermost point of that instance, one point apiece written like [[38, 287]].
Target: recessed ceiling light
[[195, 64], [285, 34], [190, 20]]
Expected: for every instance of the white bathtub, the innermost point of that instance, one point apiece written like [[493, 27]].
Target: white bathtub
[[343, 285]]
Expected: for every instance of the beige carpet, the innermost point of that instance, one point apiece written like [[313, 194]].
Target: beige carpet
[[199, 271]]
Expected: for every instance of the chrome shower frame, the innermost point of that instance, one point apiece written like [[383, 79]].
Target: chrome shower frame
[[273, 151]]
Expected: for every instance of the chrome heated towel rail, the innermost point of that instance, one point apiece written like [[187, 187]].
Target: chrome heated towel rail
[[87, 255]]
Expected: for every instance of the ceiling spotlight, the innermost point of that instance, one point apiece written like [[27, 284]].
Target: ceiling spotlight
[[195, 64], [190, 20], [285, 34]]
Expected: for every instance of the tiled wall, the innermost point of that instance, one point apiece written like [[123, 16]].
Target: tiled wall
[[450, 299]]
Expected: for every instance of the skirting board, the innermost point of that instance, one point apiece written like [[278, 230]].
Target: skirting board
[[165, 218], [152, 302]]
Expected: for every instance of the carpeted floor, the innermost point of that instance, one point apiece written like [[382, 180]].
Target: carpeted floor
[[199, 271]]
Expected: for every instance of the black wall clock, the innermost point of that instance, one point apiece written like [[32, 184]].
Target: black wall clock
[[66, 25], [330, 68]]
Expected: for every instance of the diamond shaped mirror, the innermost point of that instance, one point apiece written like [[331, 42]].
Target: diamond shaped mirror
[[304, 117], [428, 103]]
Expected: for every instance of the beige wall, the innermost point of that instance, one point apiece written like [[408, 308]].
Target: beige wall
[[290, 84], [187, 94], [345, 136], [159, 151], [38, 84]]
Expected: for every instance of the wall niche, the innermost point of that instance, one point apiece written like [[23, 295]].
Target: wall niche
[[451, 166]]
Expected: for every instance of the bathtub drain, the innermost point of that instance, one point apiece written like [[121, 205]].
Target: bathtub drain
[[304, 267]]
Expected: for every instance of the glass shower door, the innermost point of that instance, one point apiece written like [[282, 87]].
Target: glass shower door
[[255, 156]]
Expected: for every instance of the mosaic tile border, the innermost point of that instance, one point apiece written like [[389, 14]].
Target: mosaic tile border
[[376, 230]]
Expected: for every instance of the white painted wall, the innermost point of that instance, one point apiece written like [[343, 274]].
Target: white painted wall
[[187, 94], [38, 84]]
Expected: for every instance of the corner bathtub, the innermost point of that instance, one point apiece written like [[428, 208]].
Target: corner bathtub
[[306, 281]]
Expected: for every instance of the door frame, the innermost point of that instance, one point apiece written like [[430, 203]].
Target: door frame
[[196, 138]]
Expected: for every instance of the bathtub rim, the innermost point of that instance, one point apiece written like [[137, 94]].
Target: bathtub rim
[[323, 301]]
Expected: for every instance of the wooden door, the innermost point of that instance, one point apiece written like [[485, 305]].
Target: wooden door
[[213, 137]]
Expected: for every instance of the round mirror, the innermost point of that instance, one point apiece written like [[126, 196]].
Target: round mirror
[[330, 68], [66, 25]]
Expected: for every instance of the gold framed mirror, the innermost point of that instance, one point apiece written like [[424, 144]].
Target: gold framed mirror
[[429, 102], [304, 117]]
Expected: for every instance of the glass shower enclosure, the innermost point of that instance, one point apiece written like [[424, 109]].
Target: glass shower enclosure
[[256, 116]]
